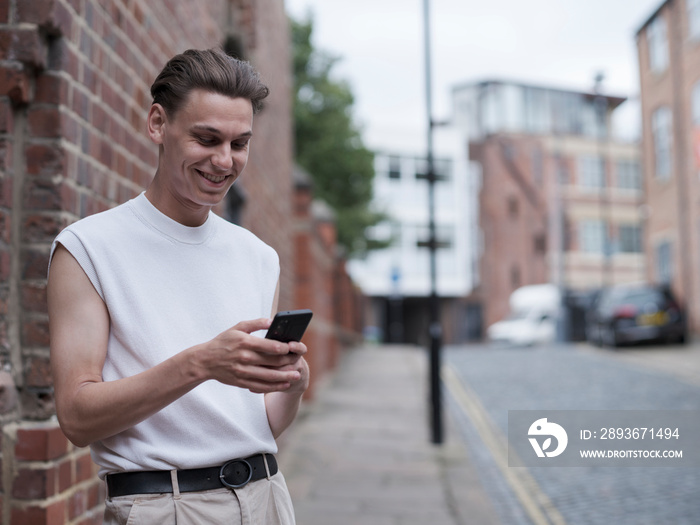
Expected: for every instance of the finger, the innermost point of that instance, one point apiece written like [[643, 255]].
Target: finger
[[297, 348], [253, 325], [266, 388]]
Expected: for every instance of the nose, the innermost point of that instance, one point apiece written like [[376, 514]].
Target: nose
[[223, 157]]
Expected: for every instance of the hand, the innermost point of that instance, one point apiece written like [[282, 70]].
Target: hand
[[235, 357]]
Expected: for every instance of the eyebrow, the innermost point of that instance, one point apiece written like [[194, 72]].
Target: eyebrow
[[211, 129]]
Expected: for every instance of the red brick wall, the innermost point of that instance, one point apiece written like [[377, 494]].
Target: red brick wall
[[673, 204], [512, 212], [323, 285]]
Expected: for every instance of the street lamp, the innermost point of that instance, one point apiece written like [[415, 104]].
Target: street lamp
[[435, 329]]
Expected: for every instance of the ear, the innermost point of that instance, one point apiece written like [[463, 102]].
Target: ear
[[156, 123]]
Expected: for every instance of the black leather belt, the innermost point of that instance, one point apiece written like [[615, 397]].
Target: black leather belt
[[233, 474]]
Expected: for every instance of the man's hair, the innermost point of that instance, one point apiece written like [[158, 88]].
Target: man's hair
[[211, 70]]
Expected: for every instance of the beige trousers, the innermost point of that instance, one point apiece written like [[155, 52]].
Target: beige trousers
[[262, 502]]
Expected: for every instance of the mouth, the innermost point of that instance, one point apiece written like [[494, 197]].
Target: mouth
[[214, 179]]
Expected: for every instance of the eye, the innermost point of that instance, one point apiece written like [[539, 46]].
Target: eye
[[239, 145], [206, 141]]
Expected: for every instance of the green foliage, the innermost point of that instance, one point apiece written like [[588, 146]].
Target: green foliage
[[328, 144]]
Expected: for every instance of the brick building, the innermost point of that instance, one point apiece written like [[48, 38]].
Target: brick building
[[559, 199], [74, 95], [668, 46]]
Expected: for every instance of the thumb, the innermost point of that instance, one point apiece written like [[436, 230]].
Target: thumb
[[253, 325]]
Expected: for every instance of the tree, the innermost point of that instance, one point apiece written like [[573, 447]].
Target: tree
[[328, 144]]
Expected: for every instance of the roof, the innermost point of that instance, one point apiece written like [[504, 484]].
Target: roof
[[613, 100], [652, 16]]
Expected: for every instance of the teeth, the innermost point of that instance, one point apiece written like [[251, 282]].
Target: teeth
[[212, 178]]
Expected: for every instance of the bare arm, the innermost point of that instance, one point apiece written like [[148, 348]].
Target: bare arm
[[282, 406], [90, 409]]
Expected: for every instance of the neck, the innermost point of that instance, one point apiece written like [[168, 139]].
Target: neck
[[169, 204]]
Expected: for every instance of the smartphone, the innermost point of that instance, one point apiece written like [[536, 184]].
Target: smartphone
[[289, 326]]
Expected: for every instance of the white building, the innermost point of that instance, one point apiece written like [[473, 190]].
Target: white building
[[398, 278]]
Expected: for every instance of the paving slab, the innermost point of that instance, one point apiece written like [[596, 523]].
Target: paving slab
[[360, 452]]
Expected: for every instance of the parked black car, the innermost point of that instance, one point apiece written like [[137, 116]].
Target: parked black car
[[634, 313]]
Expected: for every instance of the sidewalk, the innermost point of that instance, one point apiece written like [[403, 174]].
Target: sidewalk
[[361, 451]]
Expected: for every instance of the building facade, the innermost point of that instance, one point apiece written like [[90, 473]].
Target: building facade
[[397, 279], [559, 200], [668, 46]]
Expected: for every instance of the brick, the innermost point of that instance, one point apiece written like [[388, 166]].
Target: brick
[[35, 12], [44, 122], [37, 372], [6, 119], [45, 159], [16, 84], [34, 483], [84, 468], [42, 228], [5, 266], [4, 11], [40, 443], [34, 264], [34, 297], [23, 45], [50, 89], [37, 404], [53, 514], [35, 332], [65, 475], [43, 194], [77, 504], [5, 155], [95, 494]]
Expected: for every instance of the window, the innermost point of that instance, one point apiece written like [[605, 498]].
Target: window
[[443, 168], [421, 168], [662, 137], [591, 172], [663, 263], [630, 238], [592, 236], [658, 45], [536, 110], [628, 175], [693, 7], [394, 167]]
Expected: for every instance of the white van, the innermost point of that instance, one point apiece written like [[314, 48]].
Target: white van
[[533, 319]]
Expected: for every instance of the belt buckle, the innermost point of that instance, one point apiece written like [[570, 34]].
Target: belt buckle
[[222, 474]]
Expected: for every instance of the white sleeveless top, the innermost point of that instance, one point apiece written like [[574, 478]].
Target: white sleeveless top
[[169, 287]]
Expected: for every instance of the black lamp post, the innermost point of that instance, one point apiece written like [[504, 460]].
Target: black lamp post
[[435, 328]]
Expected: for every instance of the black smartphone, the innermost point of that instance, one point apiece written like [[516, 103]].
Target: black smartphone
[[289, 326]]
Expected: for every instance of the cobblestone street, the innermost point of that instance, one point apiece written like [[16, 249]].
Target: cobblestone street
[[576, 377]]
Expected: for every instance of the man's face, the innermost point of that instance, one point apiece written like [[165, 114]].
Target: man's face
[[205, 147]]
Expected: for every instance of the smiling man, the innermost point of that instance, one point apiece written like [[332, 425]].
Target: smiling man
[[153, 309]]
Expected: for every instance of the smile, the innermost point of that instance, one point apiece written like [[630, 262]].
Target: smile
[[212, 178]]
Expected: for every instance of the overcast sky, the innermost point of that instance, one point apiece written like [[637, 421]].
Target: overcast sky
[[558, 43]]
